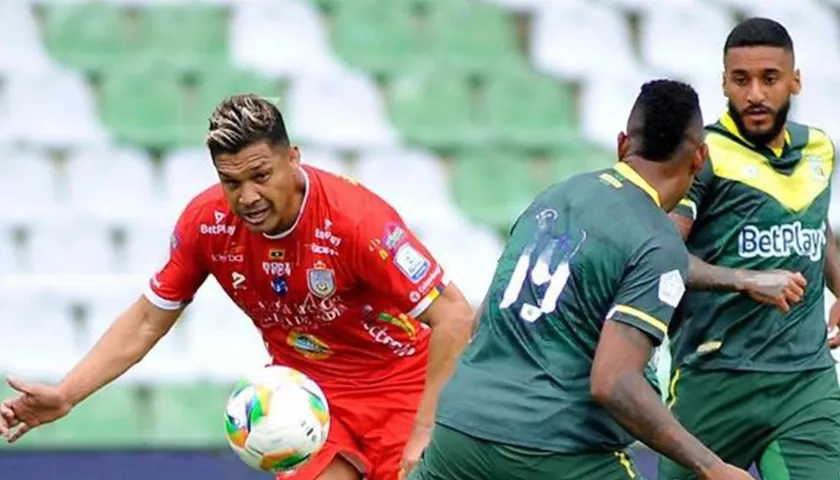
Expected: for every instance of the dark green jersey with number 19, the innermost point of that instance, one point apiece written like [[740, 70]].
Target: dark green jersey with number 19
[[595, 247]]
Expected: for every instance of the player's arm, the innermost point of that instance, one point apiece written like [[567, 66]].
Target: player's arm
[[411, 278], [651, 290], [832, 262], [125, 343]]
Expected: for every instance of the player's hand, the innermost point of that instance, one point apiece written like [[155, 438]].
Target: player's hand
[[36, 405], [834, 325], [726, 472], [775, 287], [414, 449]]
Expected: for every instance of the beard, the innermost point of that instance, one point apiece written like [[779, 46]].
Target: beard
[[761, 138]]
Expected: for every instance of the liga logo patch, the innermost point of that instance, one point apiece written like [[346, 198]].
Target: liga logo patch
[[671, 288], [412, 263], [321, 280]]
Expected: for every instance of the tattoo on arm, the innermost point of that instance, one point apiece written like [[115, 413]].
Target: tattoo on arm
[[625, 393]]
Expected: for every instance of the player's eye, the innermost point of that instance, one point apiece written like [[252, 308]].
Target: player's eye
[[262, 177], [228, 183], [740, 81], [770, 79]]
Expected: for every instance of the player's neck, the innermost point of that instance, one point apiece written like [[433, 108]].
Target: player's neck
[[778, 143], [659, 177], [289, 218]]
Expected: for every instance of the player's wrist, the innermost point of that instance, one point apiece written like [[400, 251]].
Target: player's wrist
[[708, 468]]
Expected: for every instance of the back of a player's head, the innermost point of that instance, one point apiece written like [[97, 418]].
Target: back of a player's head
[[662, 118], [243, 120], [758, 32]]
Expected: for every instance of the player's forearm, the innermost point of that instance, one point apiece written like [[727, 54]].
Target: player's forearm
[[705, 276], [637, 407], [446, 343], [832, 263], [124, 344]]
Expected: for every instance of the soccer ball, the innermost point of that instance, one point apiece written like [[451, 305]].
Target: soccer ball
[[276, 419]]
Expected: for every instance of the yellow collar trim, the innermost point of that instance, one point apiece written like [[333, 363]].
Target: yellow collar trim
[[636, 179], [730, 126]]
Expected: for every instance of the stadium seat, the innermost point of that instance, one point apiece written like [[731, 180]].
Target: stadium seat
[[520, 6], [814, 29], [493, 187], [21, 50], [26, 171], [88, 238], [579, 157], [187, 172], [468, 254], [605, 104], [674, 28], [190, 35], [579, 40], [224, 342], [115, 417], [146, 246], [433, 109], [46, 341], [112, 183], [342, 111], [8, 253], [402, 177], [323, 159], [189, 416], [526, 110], [90, 36], [31, 95], [472, 37], [379, 37], [215, 85], [143, 104], [280, 38]]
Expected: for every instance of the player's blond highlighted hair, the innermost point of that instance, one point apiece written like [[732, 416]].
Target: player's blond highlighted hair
[[242, 120]]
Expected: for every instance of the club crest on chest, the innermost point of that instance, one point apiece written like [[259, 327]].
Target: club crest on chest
[[321, 280]]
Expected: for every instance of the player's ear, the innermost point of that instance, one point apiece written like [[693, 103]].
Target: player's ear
[[699, 159], [294, 155], [796, 84], [622, 145]]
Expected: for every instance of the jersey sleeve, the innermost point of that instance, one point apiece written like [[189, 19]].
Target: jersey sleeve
[[651, 288], [391, 260], [174, 285], [688, 206]]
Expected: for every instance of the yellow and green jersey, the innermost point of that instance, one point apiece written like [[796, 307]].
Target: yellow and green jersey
[[595, 247], [758, 209]]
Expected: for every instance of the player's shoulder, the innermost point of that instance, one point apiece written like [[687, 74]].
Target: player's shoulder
[[813, 140], [343, 199]]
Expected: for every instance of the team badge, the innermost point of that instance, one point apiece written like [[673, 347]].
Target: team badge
[[321, 280], [817, 169]]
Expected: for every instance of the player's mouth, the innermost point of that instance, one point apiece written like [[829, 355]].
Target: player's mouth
[[256, 217], [758, 115]]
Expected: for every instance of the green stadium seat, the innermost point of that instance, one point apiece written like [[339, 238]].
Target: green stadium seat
[[434, 110], [376, 36], [89, 36], [112, 418], [579, 156], [215, 85], [471, 37], [142, 103], [528, 110], [494, 187], [189, 416], [191, 36]]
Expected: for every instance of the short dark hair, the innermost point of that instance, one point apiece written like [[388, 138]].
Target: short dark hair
[[663, 112], [759, 32], [242, 120]]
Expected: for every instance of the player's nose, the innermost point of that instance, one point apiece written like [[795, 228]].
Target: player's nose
[[248, 196]]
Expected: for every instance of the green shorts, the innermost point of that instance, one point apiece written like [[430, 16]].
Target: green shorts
[[452, 455], [788, 424]]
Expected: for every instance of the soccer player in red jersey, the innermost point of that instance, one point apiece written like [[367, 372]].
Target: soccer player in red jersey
[[338, 285]]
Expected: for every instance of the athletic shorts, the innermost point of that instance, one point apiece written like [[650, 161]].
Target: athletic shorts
[[452, 455], [369, 430], [787, 424]]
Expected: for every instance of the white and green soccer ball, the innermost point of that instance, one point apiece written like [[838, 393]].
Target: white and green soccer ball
[[277, 419]]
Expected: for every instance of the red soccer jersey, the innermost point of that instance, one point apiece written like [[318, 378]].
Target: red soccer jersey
[[335, 296]]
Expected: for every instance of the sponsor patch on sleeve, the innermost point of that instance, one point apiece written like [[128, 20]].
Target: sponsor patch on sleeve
[[671, 288], [412, 263]]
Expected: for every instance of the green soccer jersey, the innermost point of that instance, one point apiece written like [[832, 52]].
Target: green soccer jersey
[[594, 247], [758, 209]]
